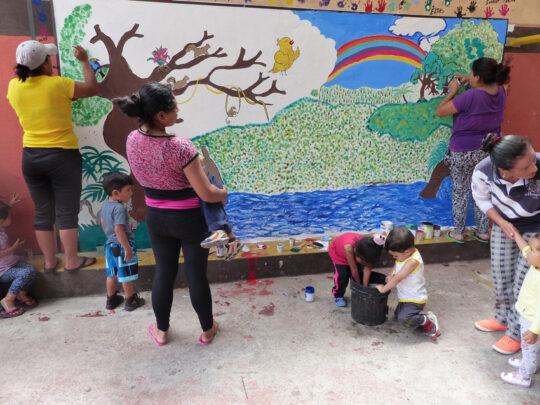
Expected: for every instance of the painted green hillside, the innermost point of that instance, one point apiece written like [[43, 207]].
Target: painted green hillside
[[312, 145]]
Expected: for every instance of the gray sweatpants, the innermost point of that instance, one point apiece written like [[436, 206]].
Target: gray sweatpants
[[508, 270], [528, 352]]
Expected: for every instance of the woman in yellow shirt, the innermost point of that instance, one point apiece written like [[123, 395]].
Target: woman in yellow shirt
[[51, 162]]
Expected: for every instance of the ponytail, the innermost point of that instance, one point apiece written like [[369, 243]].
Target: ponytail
[[490, 71], [22, 72], [147, 102], [504, 151]]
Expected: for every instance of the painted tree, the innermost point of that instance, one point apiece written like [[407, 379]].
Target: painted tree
[[120, 81]]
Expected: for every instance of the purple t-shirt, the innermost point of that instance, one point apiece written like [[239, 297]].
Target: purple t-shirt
[[479, 113]]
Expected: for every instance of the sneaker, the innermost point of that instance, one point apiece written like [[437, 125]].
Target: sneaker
[[114, 301], [507, 345], [233, 249], [218, 237], [514, 378], [489, 325], [134, 302], [434, 332], [340, 302], [516, 362]]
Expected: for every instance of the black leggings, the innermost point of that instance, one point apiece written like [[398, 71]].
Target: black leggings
[[169, 231], [54, 179]]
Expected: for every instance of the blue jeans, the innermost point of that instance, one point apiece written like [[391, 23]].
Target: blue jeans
[[214, 213]]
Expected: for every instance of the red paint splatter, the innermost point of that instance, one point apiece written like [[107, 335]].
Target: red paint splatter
[[331, 344], [252, 263], [267, 310], [94, 315], [329, 276], [376, 343], [265, 292], [244, 290], [248, 336], [253, 307], [112, 311], [44, 318]]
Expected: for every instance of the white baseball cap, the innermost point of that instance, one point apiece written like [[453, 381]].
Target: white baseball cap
[[32, 53]]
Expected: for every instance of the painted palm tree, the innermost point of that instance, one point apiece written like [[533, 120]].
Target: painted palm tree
[[403, 91], [95, 165]]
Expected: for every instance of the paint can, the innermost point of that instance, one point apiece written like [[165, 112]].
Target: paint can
[[427, 227], [386, 227], [279, 247], [436, 231], [292, 241], [310, 293], [412, 228], [419, 235], [220, 251]]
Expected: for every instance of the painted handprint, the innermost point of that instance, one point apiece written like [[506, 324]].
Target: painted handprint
[[504, 9], [381, 5], [489, 12], [472, 6], [368, 7]]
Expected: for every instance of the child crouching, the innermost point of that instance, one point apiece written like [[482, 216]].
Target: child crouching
[[408, 278], [120, 250]]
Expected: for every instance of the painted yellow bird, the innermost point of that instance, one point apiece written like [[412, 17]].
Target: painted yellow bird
[[285, 57]]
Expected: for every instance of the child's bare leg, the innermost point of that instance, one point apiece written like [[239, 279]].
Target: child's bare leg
[[111, 286], [129, 289]]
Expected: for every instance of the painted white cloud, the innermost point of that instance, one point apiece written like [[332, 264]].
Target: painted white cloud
[[427, 27]]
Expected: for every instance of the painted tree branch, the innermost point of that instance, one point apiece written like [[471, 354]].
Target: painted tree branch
[[241, 63], [128, 35]]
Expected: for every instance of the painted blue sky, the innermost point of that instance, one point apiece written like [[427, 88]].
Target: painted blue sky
[[344, 27]]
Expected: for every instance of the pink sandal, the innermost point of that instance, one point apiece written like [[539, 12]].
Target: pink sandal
[[10, 312], [152, 328]]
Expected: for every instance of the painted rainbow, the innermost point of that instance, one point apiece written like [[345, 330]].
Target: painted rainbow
[[377, 47]]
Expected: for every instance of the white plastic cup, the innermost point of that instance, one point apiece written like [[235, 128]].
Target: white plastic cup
[[292, 241], [310, 293], [280, 247], [386, 227]]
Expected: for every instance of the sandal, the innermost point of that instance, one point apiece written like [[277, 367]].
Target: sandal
[[87, 261], [28, 303], [10, 312], [52, 269], [474, 235], [447, 234], [207, 342], [151, 330]]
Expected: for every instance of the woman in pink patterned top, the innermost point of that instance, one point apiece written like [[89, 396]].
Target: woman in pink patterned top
[[171, 174]]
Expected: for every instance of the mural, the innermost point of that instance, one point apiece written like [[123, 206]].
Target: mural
[[318, 121]]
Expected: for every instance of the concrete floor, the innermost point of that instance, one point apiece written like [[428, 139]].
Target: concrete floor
[[272, 348]]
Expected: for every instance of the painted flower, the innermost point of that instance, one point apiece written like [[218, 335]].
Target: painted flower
[[159, 56]]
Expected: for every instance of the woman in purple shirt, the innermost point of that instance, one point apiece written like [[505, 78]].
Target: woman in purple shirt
[[476, 112]]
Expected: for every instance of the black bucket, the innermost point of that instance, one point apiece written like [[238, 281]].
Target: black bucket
[[368, 305]]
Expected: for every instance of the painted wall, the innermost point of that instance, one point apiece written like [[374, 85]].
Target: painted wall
[[322, 143]]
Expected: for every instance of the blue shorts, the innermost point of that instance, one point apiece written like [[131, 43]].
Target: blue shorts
[[124, 273]]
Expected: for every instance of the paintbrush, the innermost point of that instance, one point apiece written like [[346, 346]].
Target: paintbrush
[[297, 248]]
